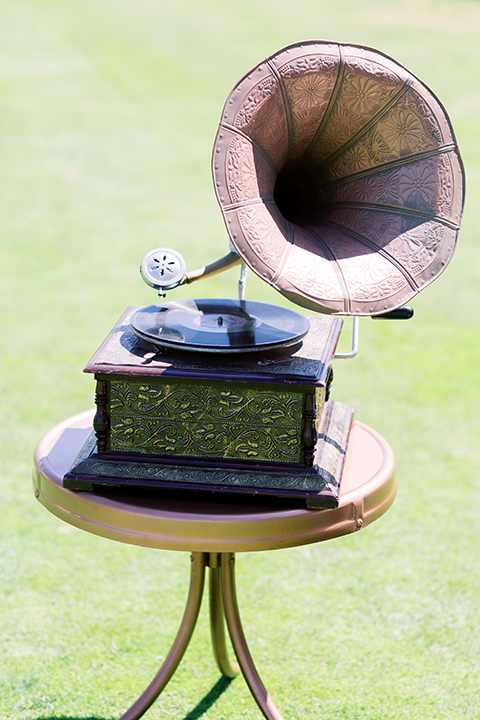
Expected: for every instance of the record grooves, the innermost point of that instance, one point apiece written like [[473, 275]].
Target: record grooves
[[219, 325]]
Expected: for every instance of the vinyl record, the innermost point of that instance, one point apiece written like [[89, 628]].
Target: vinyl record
[[217, 325]]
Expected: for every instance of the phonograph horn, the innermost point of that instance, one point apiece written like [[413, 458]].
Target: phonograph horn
[[339, 178]]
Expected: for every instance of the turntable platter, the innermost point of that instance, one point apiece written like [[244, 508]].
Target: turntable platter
[[219, 325]]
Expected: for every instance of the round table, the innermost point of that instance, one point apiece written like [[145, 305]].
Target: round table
[[212, 530]]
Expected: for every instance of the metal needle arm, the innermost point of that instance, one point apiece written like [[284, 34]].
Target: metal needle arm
[[213, 268]]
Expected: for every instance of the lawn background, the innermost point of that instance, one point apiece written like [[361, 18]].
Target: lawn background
[[108, 111]]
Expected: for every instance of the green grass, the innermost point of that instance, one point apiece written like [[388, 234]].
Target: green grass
[[108, 113]]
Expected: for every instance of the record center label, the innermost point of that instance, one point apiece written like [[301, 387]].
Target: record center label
[[220, 323]]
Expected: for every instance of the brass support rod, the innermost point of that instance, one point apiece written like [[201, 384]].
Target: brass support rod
[[172, 661], [213, 268], [217, 621], [232, 615]]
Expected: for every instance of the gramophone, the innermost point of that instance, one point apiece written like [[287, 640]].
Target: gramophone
[[341, 185]]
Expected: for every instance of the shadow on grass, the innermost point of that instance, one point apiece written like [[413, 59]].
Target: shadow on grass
[[209, 699], [205, 703]]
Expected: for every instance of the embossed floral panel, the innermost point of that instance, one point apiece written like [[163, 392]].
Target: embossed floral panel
[[206, 421]]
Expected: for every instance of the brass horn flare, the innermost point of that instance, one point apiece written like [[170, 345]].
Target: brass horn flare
[[339, 178]]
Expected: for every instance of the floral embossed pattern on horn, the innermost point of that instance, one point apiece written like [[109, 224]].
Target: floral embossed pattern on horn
[[339, 178]]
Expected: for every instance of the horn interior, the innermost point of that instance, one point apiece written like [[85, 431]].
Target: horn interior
[[339, 178]]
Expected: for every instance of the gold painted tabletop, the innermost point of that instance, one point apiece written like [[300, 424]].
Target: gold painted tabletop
[[221, 524]]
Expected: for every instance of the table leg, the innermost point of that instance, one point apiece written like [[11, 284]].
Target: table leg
[[223, 606], [217, 620], [232, 615], [172, 661]]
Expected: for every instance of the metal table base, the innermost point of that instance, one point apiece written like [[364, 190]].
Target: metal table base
[[223, 606]]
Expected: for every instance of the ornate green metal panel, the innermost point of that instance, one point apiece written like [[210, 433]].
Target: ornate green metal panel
[[228, 420]]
